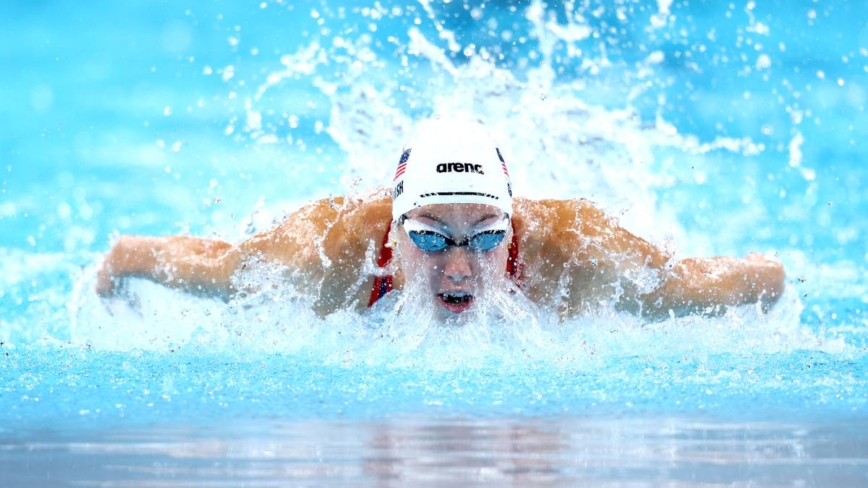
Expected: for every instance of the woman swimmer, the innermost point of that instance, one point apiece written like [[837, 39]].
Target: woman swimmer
[[458, 234]]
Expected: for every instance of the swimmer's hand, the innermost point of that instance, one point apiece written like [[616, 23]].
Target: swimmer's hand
[[768, 278], [111, 280], [107, 285], [110, 274]]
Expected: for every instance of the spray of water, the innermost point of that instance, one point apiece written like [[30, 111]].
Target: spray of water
[[558, 143]]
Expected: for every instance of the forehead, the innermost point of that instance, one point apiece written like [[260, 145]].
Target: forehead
[[457, 213]]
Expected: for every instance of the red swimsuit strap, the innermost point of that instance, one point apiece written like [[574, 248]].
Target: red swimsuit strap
[[383, 284], [513, 266]]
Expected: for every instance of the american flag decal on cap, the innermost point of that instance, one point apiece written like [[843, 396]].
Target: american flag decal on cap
[[502, 162], [402, 165]]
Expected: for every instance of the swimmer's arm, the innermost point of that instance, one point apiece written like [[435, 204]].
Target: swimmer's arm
[[603, 261], [324, 248], [321, 248], [198, 266], [708, 286], [205, 267], [705, 286]]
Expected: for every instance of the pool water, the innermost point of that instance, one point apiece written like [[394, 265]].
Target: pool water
[[710, 128]]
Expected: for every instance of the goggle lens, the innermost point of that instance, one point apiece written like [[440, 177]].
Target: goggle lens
[[430, 241]]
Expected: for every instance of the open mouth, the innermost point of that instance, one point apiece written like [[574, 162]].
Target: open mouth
[[456, 301]]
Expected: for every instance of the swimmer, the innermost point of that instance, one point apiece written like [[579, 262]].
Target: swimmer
[[449, 226]]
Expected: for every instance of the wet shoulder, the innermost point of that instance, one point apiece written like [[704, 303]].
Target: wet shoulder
[[330, 227], [551, 219], [342, 214], [368, 217]]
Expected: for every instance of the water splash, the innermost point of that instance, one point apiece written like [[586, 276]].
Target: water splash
[[564, 133], [402, 332], [557, 140]]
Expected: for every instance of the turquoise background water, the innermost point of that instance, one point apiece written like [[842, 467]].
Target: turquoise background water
[[707, 127]]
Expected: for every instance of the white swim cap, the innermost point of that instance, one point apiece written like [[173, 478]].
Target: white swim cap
[[450, 161]]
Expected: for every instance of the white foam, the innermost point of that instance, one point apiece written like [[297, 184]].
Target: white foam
[[401, 333]]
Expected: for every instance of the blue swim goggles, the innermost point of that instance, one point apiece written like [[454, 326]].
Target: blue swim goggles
[[429, 239]]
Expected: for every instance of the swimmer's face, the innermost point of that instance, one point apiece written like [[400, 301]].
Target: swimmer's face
[[456, 277]]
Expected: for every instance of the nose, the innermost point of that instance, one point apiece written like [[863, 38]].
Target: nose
[[458, 266]]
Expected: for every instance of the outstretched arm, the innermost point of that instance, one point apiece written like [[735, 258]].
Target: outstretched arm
[[198, 266], [709, 285], [581, 258], [321, 247], [705, 286]]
